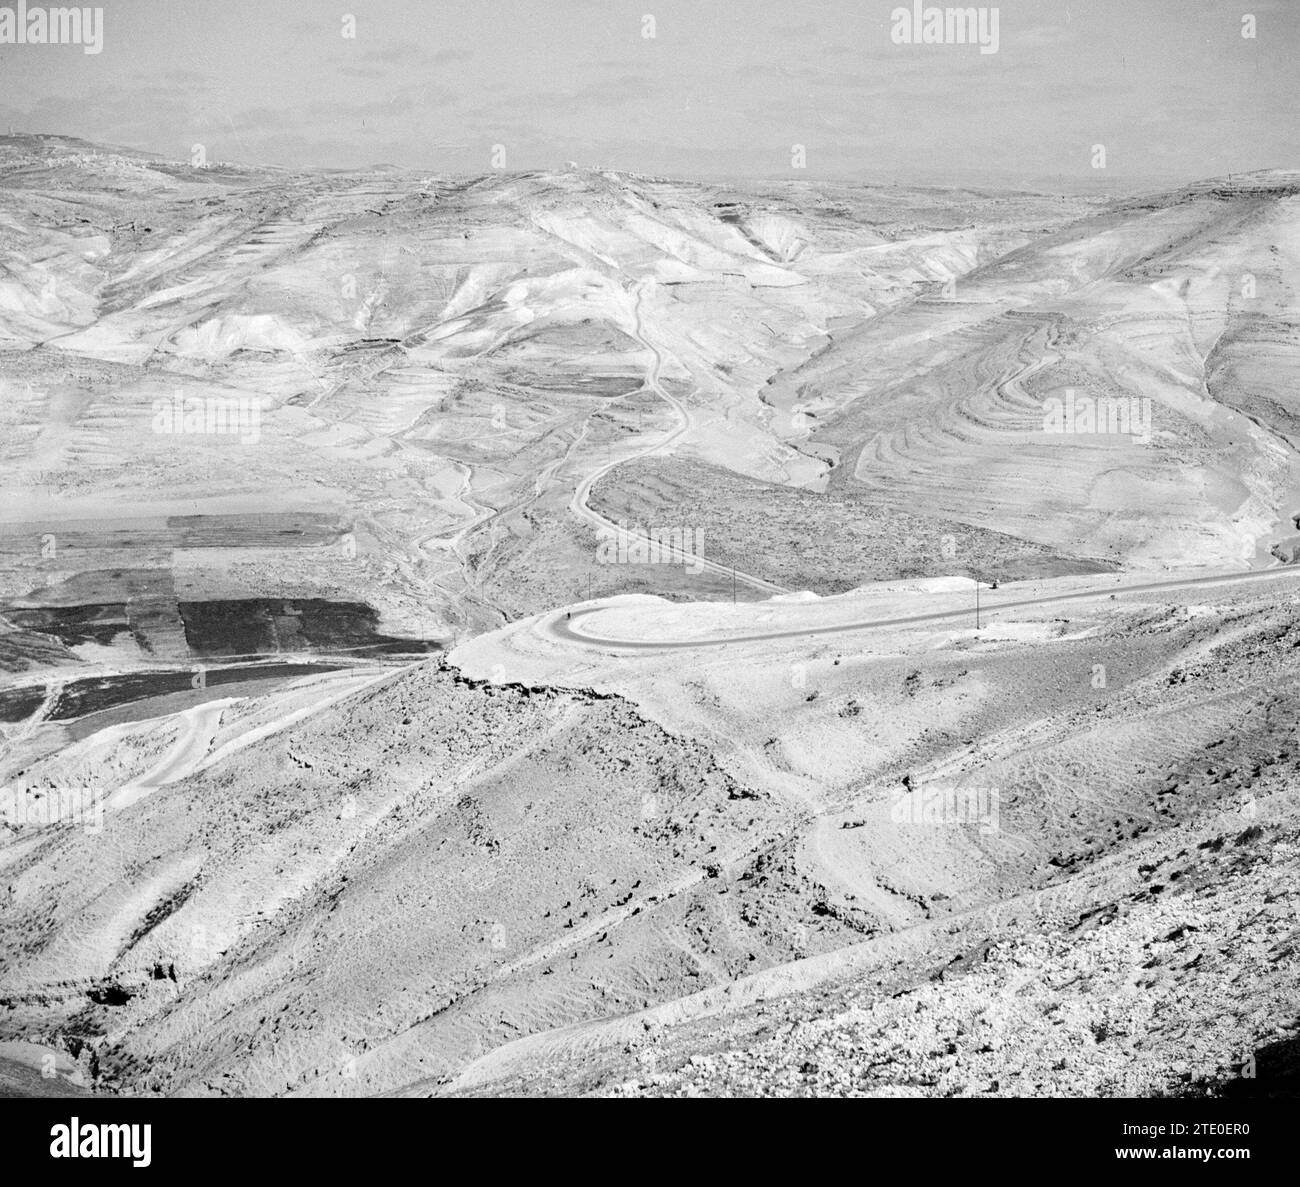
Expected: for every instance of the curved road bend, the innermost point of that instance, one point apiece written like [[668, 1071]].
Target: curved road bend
[[564, 628]]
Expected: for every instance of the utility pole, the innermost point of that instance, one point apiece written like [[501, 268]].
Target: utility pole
[[733, 585], [977, 603]]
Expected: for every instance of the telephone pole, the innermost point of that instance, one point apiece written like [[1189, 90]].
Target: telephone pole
[[977, 603]]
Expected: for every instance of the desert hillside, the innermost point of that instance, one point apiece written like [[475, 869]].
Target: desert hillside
[[517, 633]]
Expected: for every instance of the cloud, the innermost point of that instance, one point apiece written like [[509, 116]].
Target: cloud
[[1046, 35], [610, 92], [375, 63]]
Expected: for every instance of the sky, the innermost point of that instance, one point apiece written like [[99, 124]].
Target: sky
[[1170, 88]]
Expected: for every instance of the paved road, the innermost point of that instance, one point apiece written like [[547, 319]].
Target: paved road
[[566, 628]]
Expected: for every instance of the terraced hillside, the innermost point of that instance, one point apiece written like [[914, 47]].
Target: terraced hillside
[[427, 367], [354, 742]]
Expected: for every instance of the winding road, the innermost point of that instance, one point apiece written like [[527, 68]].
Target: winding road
[[579, 503], [566, 628]]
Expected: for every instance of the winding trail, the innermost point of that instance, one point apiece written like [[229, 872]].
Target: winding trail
[[193, 742], [580, 506]]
